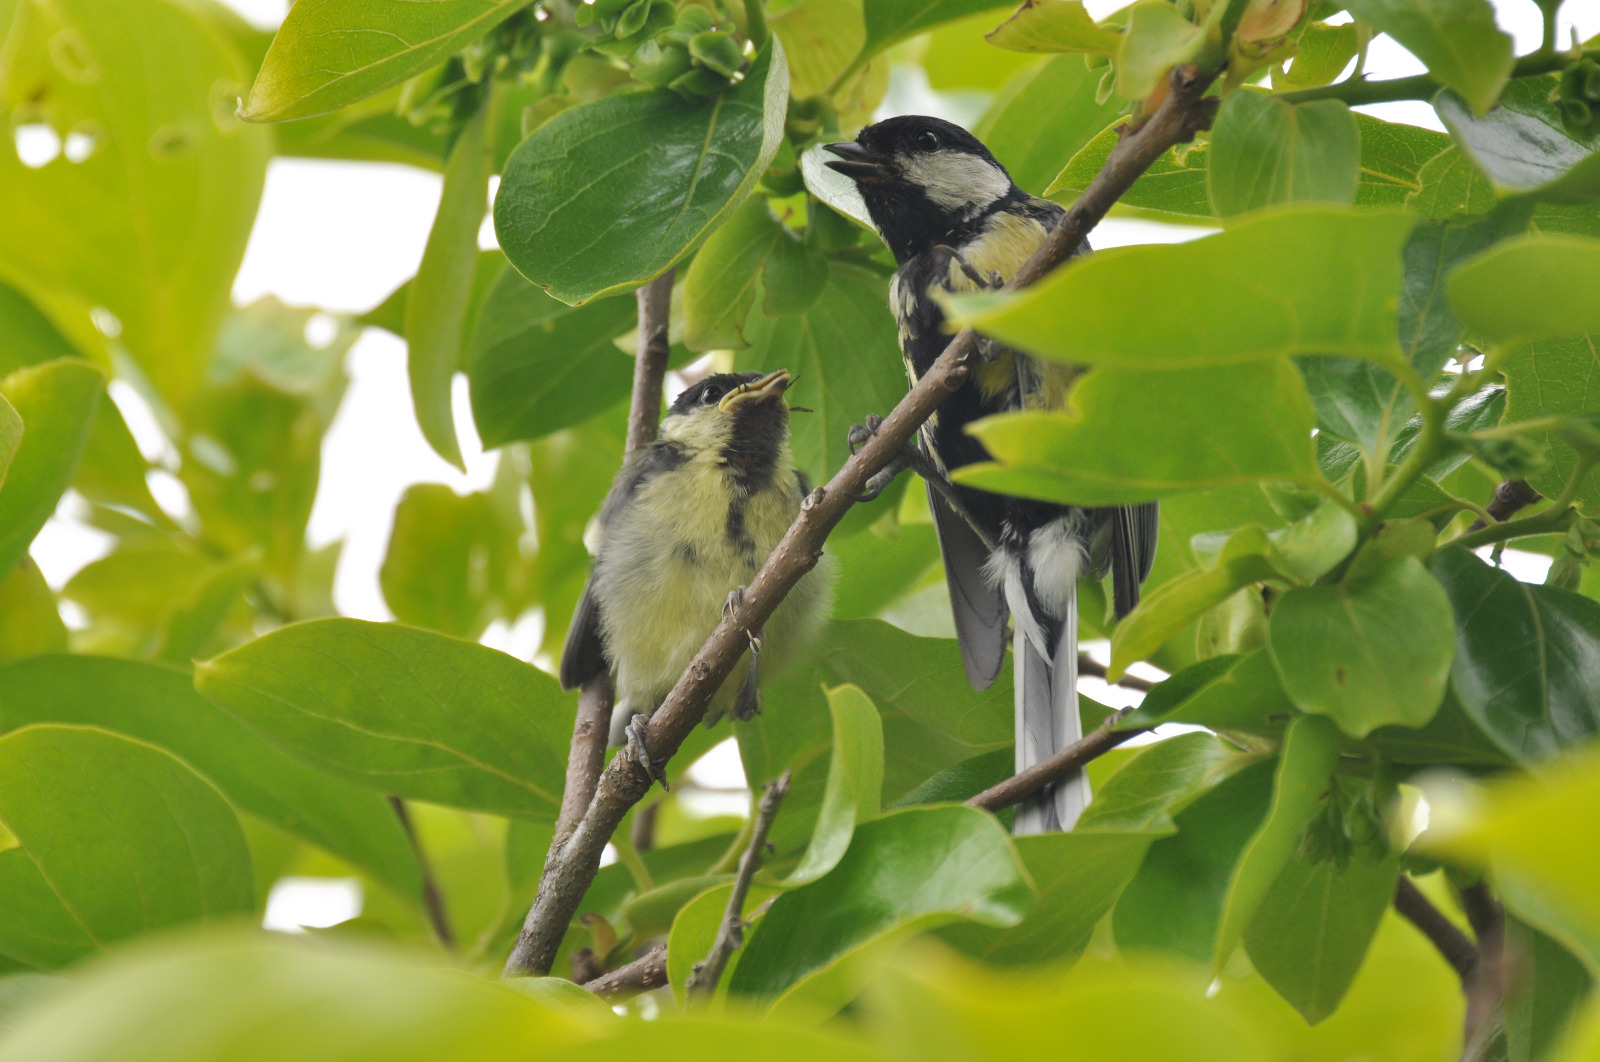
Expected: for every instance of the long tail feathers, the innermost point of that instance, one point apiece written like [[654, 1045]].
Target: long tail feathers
[[1047, 721]]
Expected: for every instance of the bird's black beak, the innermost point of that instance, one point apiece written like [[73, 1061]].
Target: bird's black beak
[[858, 164]]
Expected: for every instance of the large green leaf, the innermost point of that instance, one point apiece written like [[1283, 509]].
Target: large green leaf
[[259, 998], [1295, 280], [438, 300], [114, 838], [403, 711], [1035, 142], [1055, 26], [1457, 39], [1548, 994], [1553, 378], [1199, 428], [1157, 38], [1310, 750], [1368, 651], [159, 705], [606, 195], [1522, 144], [1311, 933], [152, 224], [888, 21], [1266, 151], [1221, 692], [1525, 657], [30, 622], [447, 565], [719, 289], [845, 354], [56, 402], [11, 428], [330, 54], [854, 793], [1535, 287], [538, 365], [917, 867]]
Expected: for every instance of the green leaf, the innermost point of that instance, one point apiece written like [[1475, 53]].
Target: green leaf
[[1530, 288], [172, 181], [1266, 151], [1334, 276], [854, 793], [447, 564], [1034, 143], [720, 286], [1450, 737], [879, 566], [1055, 26], [1311, 933], [1552, 379], [1321, 54], [1310, 751], [1223, 693], [588, 205], [1523, 147], [845, 353], [913, 868], [159, 705], [30, 622], [331, 54], [888, 21], [403, 711], [439, 296], [539, 365], [959, 57], [1394, 158], [1174, 605], [10, 436], [267, 996], [1457, 39], [1157, 38], [114, 838], [56, 401], [1174, 903], [1202, 428], [1542, 1002], [1369, 651], [1524, 657]]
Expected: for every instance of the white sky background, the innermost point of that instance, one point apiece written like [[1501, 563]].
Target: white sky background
[[342, 235]]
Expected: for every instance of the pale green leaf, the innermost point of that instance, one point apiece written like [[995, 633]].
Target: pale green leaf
[[1265, 151], [1457, 39], [56, 401], [1055, 26]]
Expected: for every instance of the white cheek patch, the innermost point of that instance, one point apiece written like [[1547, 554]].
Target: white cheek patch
[[956, 181]]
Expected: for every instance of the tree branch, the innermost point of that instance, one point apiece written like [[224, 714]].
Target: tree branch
[[1458, 951], [730, 935], [1358, 90], [432, 898], [588, 755], [650, 362], [1510, 497], [1074, 757], [1088, 665], [569, 872], [1486, 985], [643, 974]]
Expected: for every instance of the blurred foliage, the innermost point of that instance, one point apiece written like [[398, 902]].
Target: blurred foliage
[[1324, 395]]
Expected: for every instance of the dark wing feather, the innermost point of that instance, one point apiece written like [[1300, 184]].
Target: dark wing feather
[[979, 609], [583, 656], [1134, 531]]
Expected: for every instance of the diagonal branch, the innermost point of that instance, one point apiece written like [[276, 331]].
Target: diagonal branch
[[432, 898], [643, 974], [1453, 944], [569, 872], [1074, 757], [730, 935]]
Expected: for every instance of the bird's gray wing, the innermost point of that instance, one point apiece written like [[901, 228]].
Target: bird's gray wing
[[584, 655], [1134, 531], [978, 608]]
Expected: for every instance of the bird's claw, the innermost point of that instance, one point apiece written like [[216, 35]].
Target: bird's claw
[[861, 434], [640, 754], [878, 483], [735, 601]]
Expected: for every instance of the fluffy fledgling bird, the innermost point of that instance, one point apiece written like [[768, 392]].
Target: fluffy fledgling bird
[[955, 221], [689, 520]]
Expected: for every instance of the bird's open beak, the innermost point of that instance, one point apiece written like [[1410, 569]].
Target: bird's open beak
[[769, 388], [858, 164]]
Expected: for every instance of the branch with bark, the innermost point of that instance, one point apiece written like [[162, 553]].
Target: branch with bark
[[1074, 757], [1457, 949], [730, 935], [644, 974], [573, 862]]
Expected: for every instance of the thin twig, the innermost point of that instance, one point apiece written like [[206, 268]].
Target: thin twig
[[730, 935], [1458, 951], [1074, 757], [1486, 986], [1359, 90], [647, 972], [1088, 665], [1509, 498], [567, 874], [650, 364], [432, 898]]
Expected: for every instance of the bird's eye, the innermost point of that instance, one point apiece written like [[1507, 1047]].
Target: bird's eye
[[928, 140], [711, 396]]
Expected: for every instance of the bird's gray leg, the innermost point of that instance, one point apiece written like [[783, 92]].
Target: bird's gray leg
[[747, 702], [640, 754]]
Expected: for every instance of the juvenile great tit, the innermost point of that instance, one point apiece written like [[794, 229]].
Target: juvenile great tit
[[688, 522], [955, 220]]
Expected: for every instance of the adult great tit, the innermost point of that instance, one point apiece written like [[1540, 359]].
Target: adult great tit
[[688, 522], [955, 221]]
